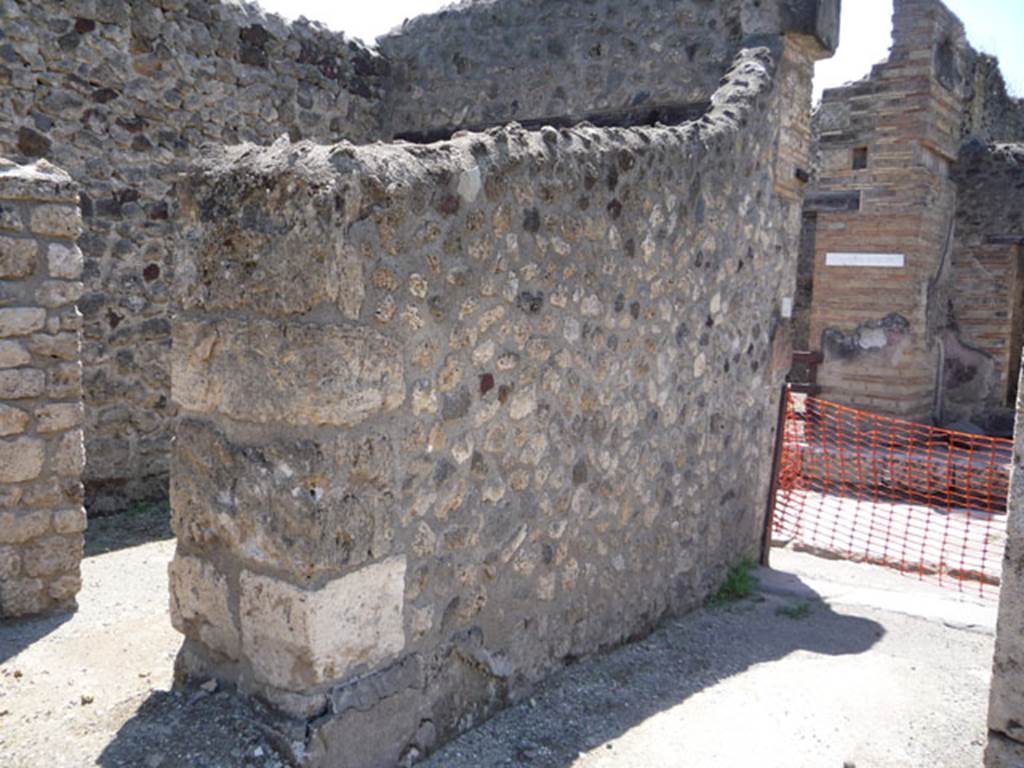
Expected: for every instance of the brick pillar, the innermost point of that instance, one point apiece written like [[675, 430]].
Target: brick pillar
[[41, 454]]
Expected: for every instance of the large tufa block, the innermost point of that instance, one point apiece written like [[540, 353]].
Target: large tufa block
[[308, 508], [321, 375], [199, 605], [296, 638]]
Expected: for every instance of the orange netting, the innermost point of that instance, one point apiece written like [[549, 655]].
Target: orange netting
[[928, 502]]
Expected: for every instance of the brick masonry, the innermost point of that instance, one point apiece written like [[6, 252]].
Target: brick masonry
[[910, 341], [41, 452]]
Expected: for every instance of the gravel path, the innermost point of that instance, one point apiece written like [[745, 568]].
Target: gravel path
[[884, 672], [782, 680]]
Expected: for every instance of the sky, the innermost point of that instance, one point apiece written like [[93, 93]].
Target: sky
[[993, 26]]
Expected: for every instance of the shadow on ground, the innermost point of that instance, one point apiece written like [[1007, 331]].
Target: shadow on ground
[[577, 709], [140, 524], [19, 634], [596, 701], [190, 728]]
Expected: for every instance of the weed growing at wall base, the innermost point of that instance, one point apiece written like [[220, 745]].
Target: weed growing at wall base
[[740, 583]]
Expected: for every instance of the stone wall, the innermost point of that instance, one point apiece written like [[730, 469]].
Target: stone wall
[[986, 318], [993, 115], [450, 415], [1006, 704], [122, 95], [41, 514], [487, 63], [885, 146], [933, 338]]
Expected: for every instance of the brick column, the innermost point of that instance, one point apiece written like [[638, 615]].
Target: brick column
[[41, 454]]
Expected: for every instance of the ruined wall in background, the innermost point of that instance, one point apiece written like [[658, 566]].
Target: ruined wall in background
[[986, 319], [486, 405], [41, 514], [122, 95], [933, 338], [885, 146], [992, 114], [1006, 702], [480, 64]]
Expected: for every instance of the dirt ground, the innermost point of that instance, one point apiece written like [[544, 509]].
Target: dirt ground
[[93, 687], [828, 664]]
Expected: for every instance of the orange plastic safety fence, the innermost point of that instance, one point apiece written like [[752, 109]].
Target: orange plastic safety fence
[[928, 502]]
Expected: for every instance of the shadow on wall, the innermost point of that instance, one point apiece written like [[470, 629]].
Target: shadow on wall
[[578, 709]]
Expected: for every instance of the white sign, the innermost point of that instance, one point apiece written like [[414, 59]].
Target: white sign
[[884, 260]]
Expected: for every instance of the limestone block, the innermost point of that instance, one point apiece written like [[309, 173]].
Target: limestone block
[[64, 381], [64, 588], [57, 417], [22, 596], [296, 638], [10, 562], [13, 354], [289, 372], [22, 525], [69, 458], [17, 257], [22, 383], [58, 293], [64, 345], [302, 506], [71, 520], [50, 555], [9, 219], [199, 605], [21, 459], [56, 221], [45, 492], [19, 321], [64, 260], [12, 420], [1003, 752]]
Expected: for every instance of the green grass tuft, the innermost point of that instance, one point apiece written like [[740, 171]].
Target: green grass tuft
[[739, 584]]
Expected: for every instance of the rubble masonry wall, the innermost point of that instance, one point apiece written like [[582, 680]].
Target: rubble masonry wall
[[122, 95], [452, 414]]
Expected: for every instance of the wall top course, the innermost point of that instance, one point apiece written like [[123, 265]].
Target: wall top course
[[38, 181]]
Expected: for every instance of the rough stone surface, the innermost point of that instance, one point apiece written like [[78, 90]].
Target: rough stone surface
[[41, 513], [1006, 703], [221, 367], [298, 638], [122, 95], [199, 605], [986, 315], [125, 95], [574, 60], [482, 400]]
